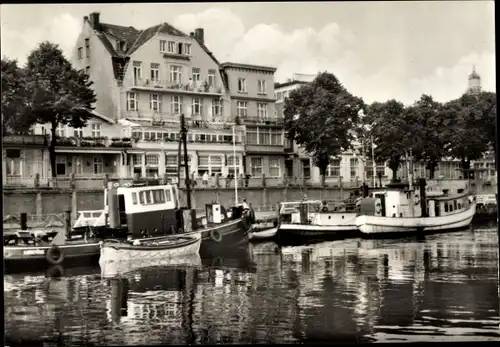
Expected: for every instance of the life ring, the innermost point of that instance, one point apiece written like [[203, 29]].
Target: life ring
[[55, 271], [54, 255], [215, 235], [417, 199]]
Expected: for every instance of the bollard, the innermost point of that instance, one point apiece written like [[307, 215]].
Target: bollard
[[68, 224], [24, 221]]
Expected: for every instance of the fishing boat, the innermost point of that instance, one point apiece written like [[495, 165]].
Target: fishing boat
[[400, 210], [263, 234], [310, 218]]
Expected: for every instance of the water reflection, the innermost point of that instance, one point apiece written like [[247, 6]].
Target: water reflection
[[443, 287]]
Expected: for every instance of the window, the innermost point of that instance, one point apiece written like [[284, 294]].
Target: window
[[197, 106], [333, 170], [179, 48], [380, 169], [77, 165], [98, 165], [136, 163], [13, 162], [61, 130], [354, 167], [216, 107], [264, 137], [80, 52], [212, 164], [152, 165], [306, 168], [187, 48], [60, 166], [77, 132], [279, 96], [242, 85], [168, 194], [252, 136], [120, 46], [158, 196], [96, 130], [132, 101], [87, 70], [137, 71], [163, 46], [262, 87], [176, 104], [276, 137], [155, 72], [196, 74], [231, 163], [211, 77], [171, 46], [256, 167], [175, 74], [134, 198], [155, 102], [262, 110], [87, 48], [242, 108], [171, 165], [274, 167]]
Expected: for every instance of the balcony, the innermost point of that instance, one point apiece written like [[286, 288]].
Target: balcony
[[182, 88], [91, 142], [25, 140], [263, 120]]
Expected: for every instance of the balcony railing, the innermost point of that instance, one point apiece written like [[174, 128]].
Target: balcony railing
[[193, 87], [263, 120], [25, 140], [116, 142]]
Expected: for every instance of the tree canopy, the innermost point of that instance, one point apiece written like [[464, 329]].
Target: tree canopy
[[59, 94], [16, 117], [320, 116]]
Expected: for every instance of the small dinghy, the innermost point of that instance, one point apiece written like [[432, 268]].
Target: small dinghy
[[263, 234], [162, 248]]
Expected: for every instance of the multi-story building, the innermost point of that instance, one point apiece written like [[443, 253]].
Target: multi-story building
[[144, 80], [251, 94]]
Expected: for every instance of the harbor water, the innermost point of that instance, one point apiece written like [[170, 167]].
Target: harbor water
[[441, 288]]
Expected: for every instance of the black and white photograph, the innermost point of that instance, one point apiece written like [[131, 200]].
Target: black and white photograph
[[201, 173]]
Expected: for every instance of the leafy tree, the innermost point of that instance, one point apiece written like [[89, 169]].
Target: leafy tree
[[468, 119], [391, 126], [320, 117], [430, 132], [16, 117], [59, 93]]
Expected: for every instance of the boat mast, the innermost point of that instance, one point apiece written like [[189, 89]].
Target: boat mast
[[186, 166], [374, 165], [235, 172]]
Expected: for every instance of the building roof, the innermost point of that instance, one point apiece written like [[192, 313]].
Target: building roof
[[288, 83], [248, 66]]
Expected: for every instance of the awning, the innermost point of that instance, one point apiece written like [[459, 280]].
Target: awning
[[88, 150]]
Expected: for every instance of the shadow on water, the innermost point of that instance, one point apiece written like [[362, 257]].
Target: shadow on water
[[438, 289]]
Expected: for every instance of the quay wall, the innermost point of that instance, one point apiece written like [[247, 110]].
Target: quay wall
[[43, 202]]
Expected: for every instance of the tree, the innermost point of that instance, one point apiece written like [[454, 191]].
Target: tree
[[430, 132], [391, 126], [59, 94], [16, 117], [468, 119], [320, 117]]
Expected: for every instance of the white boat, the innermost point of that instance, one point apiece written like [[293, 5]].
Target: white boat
[[401, 209], [263, 234], [114, 268], [167, 247], [315, 218]]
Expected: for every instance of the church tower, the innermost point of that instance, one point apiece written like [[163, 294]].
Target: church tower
[[474, 85]]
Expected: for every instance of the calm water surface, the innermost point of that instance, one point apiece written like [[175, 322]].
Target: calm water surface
[[443, 288]]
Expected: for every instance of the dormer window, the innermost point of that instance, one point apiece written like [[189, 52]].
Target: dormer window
[[179, 48], [187, 48], [171, 46], [120, 46]]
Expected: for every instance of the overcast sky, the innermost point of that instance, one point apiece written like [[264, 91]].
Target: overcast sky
[[378, 50]]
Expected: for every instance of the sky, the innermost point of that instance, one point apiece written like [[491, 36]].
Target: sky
[[378, 50]]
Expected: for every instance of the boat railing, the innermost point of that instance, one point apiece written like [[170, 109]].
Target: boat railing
[[486, 199], [49, 220], [90, 218]]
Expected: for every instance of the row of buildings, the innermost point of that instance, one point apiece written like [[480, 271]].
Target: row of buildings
[[144, 80]]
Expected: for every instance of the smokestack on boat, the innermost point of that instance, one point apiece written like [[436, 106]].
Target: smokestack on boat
[[113, 216], [423, 197]]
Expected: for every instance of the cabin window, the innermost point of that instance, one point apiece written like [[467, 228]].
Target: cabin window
[[141, 198], [450, 208], [134, 198], [445, 207], [168, 194], [455, 204], [158, 196], [459, 205], [145, 198]]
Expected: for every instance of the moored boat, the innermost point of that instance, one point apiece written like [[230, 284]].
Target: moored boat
[[312, 218], [265, 234], [401, 210]]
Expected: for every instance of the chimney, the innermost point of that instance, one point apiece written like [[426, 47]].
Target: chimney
[[85, 18], [94, 20], [191, 34], [199, 35]]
